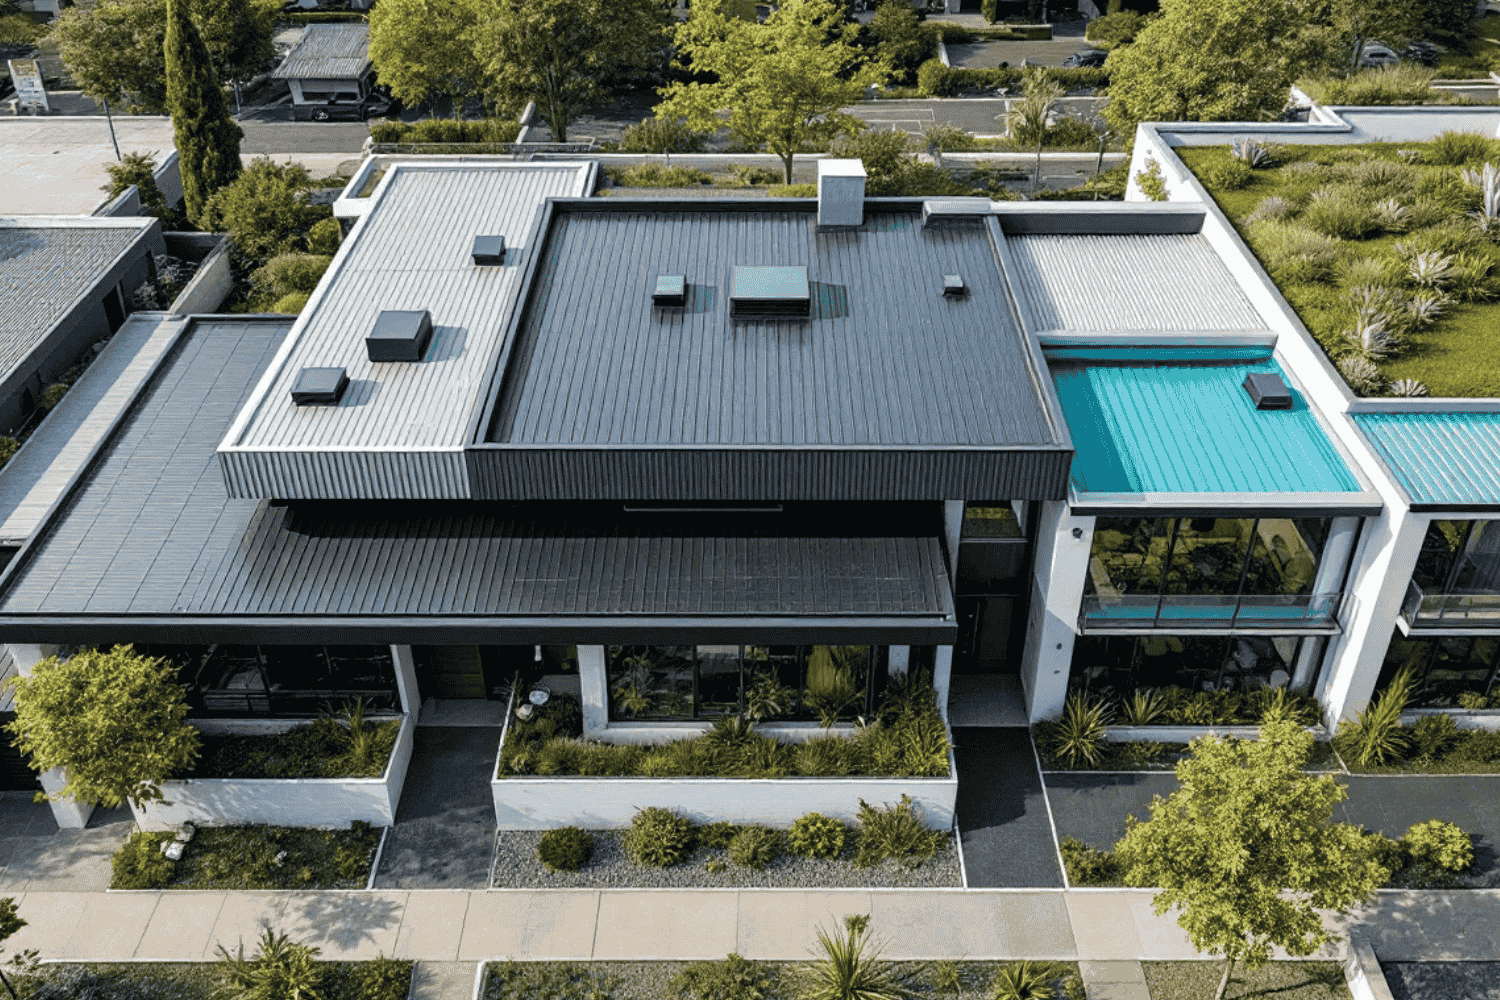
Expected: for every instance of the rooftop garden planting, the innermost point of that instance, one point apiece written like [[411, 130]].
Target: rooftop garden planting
[[906, 738], [1375, 741], [346, 746], [1386, 251], [250, 858], [1402, 83]]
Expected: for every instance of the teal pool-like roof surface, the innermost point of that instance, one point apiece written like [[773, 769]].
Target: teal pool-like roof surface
[[1441, 460], [1162, 427]]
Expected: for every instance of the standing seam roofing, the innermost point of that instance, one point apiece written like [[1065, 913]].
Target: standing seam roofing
[[328, 52], [1439, 457]]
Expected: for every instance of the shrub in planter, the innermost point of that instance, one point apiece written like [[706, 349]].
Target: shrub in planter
[[1078, 737], [140, 863], [658, 837], [1441, 845], [1478, 746], [1434, 736], [817, 836], [1088, 865], [755, 847], [1228, 175], [565, 850], [732, 978], [717, 835]]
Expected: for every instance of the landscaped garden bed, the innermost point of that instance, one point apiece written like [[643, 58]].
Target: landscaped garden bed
[[324, 748], [735, 978], [250, 858], [382, 979], [1376, 742], [1281, 980], [1386, 251]]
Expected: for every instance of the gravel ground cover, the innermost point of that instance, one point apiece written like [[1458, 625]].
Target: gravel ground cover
[[653, 980], [1278, 980], [1443, 980], [517, 867]]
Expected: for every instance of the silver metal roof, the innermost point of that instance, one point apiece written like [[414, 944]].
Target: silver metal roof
[[1130, 282], [328, 52], [1442, 460]]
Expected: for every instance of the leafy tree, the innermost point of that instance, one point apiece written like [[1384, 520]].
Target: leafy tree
[[1351, 23], [10, 922], [1246, 848], [421, 48], [564, 54], [238, 35], [113, 49], [780, 84], [264, 210], [208, 141], [113, 720], [139, 169], [17, 31], [1211, 60], [903, 40]]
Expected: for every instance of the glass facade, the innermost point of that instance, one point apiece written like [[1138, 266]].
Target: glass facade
[[1207, 572], [1446, 668], [1117, 665], [249, 681], [1457, 578], [773, 682]]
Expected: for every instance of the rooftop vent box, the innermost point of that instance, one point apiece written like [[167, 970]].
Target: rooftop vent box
[[671, 290], [489, 251], [769, 291], [954, 287], [319, 386], [1268, 391], [399, 335]]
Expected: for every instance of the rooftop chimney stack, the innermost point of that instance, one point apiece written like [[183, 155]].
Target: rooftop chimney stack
[[841, 194]]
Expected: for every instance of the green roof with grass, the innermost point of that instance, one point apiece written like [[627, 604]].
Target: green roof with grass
[[1388, 253]]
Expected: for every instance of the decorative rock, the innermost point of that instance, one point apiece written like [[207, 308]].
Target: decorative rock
[[186, 832], [173, 849]]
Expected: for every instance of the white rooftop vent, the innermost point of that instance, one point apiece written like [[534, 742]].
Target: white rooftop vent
[[841, 193]]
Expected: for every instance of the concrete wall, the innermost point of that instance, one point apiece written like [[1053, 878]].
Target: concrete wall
[[169, 180], [211, 284], [304, 802], [1062, 560], [127, 202]]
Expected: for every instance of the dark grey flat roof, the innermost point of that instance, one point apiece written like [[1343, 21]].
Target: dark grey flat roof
[[148, 546]]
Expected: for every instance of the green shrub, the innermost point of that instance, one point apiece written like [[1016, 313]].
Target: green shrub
[[1342, 215], [1478, 746], [990, 9], [352, 859], [1151, 182], [291, 303], [1403, 83], [1375, 735], [1227, 175], [1088, 865], [565, 850], [895, 832], [1292, 251], [817, 836], [53, 394], [1434, 736], [287, 274], [387, 130], [755, 847], [954, 34], [1077, 738], [1442, 845], [1116, 29], [662, 135], [793, 190], [717, 835], [933, 79], [825, 756], [1027, 980], [280, 970], [750, 176], [850, 968], [733, 978], [8, 448], [374, 979], [658, 837], [1460, 149], [655, 175], [140, 863], [324, 237]]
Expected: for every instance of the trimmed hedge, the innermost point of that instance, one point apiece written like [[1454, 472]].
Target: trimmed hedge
[[445, 130], [936, 80]]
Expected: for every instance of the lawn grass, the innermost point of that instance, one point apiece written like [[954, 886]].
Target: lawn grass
[[200, 980], [245, 858], [1455, 355], [1279, 980]]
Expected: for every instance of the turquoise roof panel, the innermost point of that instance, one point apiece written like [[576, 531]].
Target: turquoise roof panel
[[1441, 460], [1161, 428]]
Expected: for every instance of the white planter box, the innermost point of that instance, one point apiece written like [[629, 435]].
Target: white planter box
[[327, 803], [1187, 734], [542, 803], [1463, 718]]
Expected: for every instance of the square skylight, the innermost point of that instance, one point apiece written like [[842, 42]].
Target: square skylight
[[769, 291], [671, 290]]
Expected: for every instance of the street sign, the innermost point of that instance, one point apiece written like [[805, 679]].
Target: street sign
[[26, 74]]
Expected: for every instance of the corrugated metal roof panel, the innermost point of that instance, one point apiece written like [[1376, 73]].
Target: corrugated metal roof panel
[[1191, 428], [1439, 458], [1127, 282], [328, 52]]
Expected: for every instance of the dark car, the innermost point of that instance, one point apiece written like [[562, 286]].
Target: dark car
[[1425, 53], [374, 106], [1088, 57]]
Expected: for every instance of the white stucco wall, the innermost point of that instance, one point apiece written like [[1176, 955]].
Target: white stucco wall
[[1062, 562]]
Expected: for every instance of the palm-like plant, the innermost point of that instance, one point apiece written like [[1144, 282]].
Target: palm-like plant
[[850, 968], [1430, 268], [281, 970], [1026, 980], [1488, 183], [1371, 338], [1143, 707], [1078, 737], [1375, 734], [1408, 387], [1251, 152]]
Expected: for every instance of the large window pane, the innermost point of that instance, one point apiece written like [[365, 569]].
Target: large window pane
[[1479, 569], [718, 680], [1128, 556], [1439, 555], [1444, 668], [1114, 666], [1208, 555], [650, 682]]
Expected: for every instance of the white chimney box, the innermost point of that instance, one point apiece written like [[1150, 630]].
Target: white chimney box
[[841, 193]]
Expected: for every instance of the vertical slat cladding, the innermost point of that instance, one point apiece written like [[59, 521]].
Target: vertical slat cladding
[[1127, 282], [527, 474], [346, 475]]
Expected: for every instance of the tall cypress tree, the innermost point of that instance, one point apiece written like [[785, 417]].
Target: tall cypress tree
[[208, 140]]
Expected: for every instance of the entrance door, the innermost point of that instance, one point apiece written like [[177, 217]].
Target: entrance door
[[468, 672], [985, 636]]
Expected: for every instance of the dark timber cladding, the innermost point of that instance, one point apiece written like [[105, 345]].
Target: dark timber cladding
[[147, 546], [888, 390]]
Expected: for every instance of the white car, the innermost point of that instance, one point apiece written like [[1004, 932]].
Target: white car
[[1377, 54]]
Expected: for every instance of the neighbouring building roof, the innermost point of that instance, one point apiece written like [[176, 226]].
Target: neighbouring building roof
[[1185, 432], [1127, 282], [47, 266], [328, 52], [1441, 460], [149, 546]]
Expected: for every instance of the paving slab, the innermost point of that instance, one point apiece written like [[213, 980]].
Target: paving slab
[[432, 925], [242, 918], [345, 925], [776, 925], [661, 925], [556, 925], [110, 928], [1039, 925], [51, 918], [974, 925], [180, 926]]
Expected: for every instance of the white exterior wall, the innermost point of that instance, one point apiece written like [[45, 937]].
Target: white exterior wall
[[406, 681], [1062, 562]]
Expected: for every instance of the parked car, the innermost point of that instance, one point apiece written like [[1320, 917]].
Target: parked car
[[1426, 53], [1088, 57], [374, 106], [1377, 54]]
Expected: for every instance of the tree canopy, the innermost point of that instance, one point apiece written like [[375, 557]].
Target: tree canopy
[[208, 140], [114, 720], [565, 54], [1247, 848], [780, 84], [421, 48], [265, 211]]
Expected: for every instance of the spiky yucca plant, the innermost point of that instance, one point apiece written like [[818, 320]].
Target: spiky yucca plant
[[1143, 707], [1408, 387], [1362, 374], [1078, 737], [1375, 734], [850, 968], [1430, 268], [1372, 339]]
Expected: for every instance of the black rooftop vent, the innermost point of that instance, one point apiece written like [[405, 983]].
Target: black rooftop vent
[[769, 291], [954, 287], [1268, 391], [671, 290], [399, 335], [489, 251], [319, 386]]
